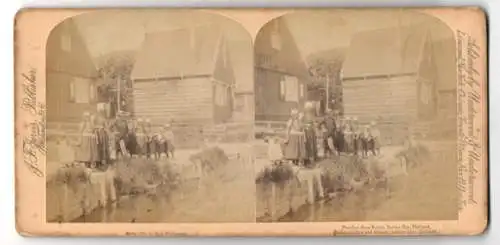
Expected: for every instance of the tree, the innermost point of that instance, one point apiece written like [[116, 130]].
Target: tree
[[113, 68], [323, 69]]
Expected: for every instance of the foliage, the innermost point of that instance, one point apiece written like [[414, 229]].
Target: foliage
[[112, 68], [277, 173]]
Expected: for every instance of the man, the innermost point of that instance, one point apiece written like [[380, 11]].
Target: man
[[331, 127]]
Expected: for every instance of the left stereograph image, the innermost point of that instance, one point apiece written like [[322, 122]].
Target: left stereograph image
[[149, 118]]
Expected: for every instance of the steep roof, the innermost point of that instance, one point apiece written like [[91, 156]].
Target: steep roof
[[180, 52], [288, 58], [385, 51], [76, 60], [445, 59]]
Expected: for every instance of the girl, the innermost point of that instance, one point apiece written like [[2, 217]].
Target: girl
[[374, 142], [102, 141], [310, 134], [365, 137], [87, 152], [348, 136], [84, 153], [168, 136], [295, 146]]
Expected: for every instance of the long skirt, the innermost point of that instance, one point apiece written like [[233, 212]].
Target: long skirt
[[141, 146], [132, 144], [103, 145], [339, 142], [87, 150], [311, 144], [295, 149]]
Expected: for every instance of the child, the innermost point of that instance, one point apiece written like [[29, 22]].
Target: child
[[274, 150], [365, 137], [112, 142], [168, 136], [374, 139]]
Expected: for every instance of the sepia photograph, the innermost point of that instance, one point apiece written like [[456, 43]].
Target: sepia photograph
[[355, 115], [149, 118], [251, 122]]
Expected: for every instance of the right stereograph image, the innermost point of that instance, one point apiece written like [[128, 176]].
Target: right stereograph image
[[355, 116]]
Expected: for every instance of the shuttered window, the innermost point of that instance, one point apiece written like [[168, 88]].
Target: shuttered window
[[81, 90]]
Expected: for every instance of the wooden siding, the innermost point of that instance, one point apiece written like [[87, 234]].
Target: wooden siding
[[269, 105], [186, 101], [381, 98], [222, 113], [59, 105]]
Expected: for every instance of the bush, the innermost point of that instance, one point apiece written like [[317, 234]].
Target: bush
[[275, 174], [72, 176]]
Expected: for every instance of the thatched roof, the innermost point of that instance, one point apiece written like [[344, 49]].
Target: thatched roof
[[181, 52], [384, 51], [75, 61]]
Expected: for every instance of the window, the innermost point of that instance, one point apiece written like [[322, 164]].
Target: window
[[66, 42], [81, 91], [289, 89], [221, 91], [264, 60]]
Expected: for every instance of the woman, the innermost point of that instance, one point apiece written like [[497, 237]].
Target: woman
[[132, 147], [339, 137], [102, 141], [356, 136], [295, 146], [141, 138], [348, 135], [87, 145], [309, 126]]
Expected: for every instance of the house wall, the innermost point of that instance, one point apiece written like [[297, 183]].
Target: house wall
[[244, 107], [383, 97], [391, 102], [276, 54], [60, 108], [222, 113], [187, 101], [269, 105]]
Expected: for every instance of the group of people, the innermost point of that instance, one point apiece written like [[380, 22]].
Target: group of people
[[102, 141], [335, 135]]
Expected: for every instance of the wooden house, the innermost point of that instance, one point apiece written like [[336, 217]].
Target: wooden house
[[185, 76], [281, 75], [71, 75], [400, 76]]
